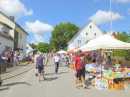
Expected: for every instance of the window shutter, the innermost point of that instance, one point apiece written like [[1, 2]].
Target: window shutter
[[11, 49], [5, 48]]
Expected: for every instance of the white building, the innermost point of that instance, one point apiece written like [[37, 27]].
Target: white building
[[6, 40], [89, 31], [28, 50], [17, 32]]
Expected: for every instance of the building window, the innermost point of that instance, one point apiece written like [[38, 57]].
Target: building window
[[8, 49], [21, 46], [95, 34], [90, 26], [79, 41], [86, 33], [20, 35], [6, 33], [26, 47]]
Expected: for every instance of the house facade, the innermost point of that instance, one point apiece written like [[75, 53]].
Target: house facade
[[6, 40], [17, 32], [28, 50], [89, 31]]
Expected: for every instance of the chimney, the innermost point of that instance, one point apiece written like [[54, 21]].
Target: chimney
[[11, 17]]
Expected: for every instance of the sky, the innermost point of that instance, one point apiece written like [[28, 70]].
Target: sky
[[39, 17]]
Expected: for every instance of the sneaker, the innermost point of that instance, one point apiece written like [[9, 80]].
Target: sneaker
[[36, 74]]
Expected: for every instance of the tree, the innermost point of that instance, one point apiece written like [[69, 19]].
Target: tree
[[62, 34], [43, 47], [87, 41], [33, 45]]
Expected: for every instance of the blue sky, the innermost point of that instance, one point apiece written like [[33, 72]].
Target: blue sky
[[39, 17]]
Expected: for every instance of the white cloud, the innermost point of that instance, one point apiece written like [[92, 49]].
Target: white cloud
[[38, 38], [128, 11], [121, 1], [102, 17], [33, 41], [14, 8], [45, 36], [38, 27]]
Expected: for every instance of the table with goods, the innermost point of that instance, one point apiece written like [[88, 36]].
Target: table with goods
[[104, 78]]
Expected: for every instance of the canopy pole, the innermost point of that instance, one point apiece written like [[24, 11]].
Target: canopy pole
[[101, 63], [113, 54]]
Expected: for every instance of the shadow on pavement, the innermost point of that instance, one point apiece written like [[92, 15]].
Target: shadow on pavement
[[12, 84], [4, 89], [51, 79], [62, 72], [49, 74]]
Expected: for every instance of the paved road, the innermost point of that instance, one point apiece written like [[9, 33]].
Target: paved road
[[61, 85]]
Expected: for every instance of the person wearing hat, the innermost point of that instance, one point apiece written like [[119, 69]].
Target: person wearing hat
[[35, 57], [99, 59], [40, 63]]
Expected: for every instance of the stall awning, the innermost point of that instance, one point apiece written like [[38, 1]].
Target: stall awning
[[71, 51], [105, 42]]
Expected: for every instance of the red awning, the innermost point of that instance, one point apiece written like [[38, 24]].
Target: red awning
[[71, 51], [52, 52]]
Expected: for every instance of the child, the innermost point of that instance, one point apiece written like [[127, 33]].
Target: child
[[20, 59], [67, 62]]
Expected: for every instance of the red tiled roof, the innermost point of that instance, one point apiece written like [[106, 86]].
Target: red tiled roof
[[6, 25], [8, 37]]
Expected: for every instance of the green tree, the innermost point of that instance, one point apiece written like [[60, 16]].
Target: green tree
[[62, 34], [33, 45], [43, 47], [87, 41]]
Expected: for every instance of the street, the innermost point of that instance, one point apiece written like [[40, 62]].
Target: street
[[60, 85]]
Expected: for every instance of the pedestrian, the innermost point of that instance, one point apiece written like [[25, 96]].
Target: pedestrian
[[12, 57], [46, 59], [67, 62], [3, 53], [56, 62], [1, 58], [9, 57], [20, 59], [35, 57], [83, 57], [40, 63], [99, 59], [22, 56], [78, 68], [15, 59]]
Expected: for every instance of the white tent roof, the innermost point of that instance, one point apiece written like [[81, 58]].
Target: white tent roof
[[61, 52], [105, 42]]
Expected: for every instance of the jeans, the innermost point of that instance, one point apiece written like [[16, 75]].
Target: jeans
[[56, 66]]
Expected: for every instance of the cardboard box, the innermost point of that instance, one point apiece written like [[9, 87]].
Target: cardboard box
[[111, 75], [119, 86], [121, 75], [126, 87], [104, 81], [101, 86]]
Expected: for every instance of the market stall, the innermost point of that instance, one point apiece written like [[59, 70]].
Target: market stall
[[113, 78], [62, 52], [71, 51]]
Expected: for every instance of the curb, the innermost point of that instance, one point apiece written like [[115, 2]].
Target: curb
[[18, 74]]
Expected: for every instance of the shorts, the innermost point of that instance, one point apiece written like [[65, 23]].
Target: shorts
[[15, 60], [79, 73], [40, 68]]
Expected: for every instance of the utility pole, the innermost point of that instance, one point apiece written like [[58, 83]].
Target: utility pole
[[111, 17]]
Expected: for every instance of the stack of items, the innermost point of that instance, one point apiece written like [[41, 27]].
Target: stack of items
[[101, 83]]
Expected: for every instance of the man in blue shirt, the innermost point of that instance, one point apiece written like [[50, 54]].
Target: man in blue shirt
[[1, 58]]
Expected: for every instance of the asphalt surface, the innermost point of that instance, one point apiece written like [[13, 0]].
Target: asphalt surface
[[60, 85]]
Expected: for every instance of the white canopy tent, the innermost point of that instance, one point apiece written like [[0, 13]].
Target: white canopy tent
[[61, 52], [105, 42]]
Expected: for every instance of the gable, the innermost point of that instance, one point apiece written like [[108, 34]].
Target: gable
[[86, 29]]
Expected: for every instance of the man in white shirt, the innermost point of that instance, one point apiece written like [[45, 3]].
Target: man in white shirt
[[56, 61]]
